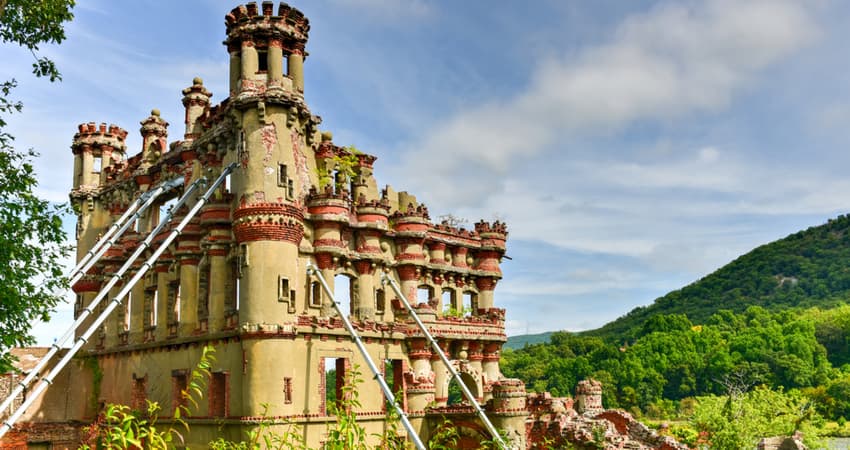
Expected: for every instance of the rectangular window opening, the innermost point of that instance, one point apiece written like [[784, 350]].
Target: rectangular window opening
[[287, 390], [334, 371], [179, 388], [283, 291], [380, 301], [218, 393], [262, 61], [315, 294]]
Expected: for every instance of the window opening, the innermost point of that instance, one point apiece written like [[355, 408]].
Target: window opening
[[165, 208], [449, 301], [380, 301], [262, 61], [287, 390], [315, 294], [219, 401], [470, 303], [97, 164], [179, 385], [424, 294], [128, 306], [334, 371], [343, 293]]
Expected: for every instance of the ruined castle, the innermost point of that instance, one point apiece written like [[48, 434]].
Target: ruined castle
[[236, 278]]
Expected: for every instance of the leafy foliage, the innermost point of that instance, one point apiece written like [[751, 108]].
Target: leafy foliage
[[738, 421], [30, 24], [32, 242], [671, 360]]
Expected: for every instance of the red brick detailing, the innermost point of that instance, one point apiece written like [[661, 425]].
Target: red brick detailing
[[475, 351], [268, 222], [85, 285], [371, 218], [139, 393], [325, 260], [328, 243], [488, 260], [459, 257], [486, 283], [217, 252], [363, 267], [215, 213], [329, 209], [407, 273], [419, 349]]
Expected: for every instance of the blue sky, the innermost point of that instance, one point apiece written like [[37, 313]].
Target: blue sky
[[632, 147]]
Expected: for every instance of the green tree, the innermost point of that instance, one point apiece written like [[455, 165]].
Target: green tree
[[32, 242], [739, 419]]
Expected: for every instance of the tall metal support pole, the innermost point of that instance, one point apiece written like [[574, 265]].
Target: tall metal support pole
[[87, 311], [48, 379], [385, 279], [134, 211], [313, 270]]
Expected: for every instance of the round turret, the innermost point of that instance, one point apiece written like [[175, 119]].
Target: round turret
[[266, 50], [95, 148]]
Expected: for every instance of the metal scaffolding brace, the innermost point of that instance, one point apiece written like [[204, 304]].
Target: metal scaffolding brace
[[98, 321], [385, 279], [134, 211], [313, 270]]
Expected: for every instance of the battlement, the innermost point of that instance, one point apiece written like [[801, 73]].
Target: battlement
[[90, 136], [248, 19]]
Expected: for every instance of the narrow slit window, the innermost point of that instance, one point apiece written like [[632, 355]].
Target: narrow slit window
[[283, 291], [287, 390], [262, 61], [380, 301], [315, 294]]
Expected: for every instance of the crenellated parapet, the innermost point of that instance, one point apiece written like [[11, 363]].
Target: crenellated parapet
[[267, 50], [95, 148], [268, 222]]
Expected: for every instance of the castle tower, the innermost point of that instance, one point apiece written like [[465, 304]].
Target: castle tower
[[266, 50], [97, 149], [274, 127]]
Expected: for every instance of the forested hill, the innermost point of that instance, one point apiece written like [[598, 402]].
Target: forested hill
[[807, 268]]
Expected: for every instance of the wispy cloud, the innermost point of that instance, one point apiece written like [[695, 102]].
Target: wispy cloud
[[675, 60]]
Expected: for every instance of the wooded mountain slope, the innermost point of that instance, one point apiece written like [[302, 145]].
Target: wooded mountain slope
[[805, 269]]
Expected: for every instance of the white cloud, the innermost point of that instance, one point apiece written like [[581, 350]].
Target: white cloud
[[670, 62]]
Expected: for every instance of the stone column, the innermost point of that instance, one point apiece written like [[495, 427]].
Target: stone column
[[188, 293], [218, 273], [235, 68], [137, 312], [249, 60], [409, 281], [365, 307], [275, 63], [442, 378], [295, 69], [88, 166], [420, 386], [162, 280], [486, 286]]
